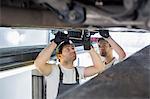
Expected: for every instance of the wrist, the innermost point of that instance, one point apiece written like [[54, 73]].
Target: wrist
[[91, 50], [53, 44]]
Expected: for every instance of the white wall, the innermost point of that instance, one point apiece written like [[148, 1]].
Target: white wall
[[17, 86]]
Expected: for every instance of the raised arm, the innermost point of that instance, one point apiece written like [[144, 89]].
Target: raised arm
[[97, 67], [116, 47], [41, 60]]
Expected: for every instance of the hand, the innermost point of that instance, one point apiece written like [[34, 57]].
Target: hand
[[59, 37], [104, 33]]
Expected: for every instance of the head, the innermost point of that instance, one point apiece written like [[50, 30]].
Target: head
[[104, 47], [66, 51]]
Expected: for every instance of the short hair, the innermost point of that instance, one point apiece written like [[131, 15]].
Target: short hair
[[61, 46], [101, 39]]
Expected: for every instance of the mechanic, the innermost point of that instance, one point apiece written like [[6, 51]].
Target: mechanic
[[64, 75], [106, 46]]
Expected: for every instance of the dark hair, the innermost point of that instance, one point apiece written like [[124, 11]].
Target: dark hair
[[101, 39], [61, 46]]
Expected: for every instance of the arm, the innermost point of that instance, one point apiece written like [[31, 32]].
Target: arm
[[41, 60], [97, 67], [116, 47]]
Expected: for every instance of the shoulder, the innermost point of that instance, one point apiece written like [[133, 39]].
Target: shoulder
[[55, 70], [111, 63], [81, 71]]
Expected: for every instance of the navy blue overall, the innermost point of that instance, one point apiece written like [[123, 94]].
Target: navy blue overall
[[64, 87]]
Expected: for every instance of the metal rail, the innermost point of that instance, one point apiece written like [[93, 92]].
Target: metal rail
[[14, 57]]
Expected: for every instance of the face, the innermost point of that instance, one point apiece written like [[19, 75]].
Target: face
[[68, 53], [104, 48]]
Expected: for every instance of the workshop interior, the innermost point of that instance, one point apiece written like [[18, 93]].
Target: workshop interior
[[28, 26]]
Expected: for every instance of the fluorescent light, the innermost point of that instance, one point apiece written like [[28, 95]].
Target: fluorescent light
[[13, 37], [65, 32], [22, 37]]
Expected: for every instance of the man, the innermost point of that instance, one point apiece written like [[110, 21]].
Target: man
[[106, 47], [65, 75]]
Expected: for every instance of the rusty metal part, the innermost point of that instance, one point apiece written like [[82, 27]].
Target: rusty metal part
[[21, 17]]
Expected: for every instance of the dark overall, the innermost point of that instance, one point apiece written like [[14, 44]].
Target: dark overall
[[64, 87]]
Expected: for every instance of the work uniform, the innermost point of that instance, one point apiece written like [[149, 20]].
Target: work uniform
[[64, 87], [113, 62], [62, 79]]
